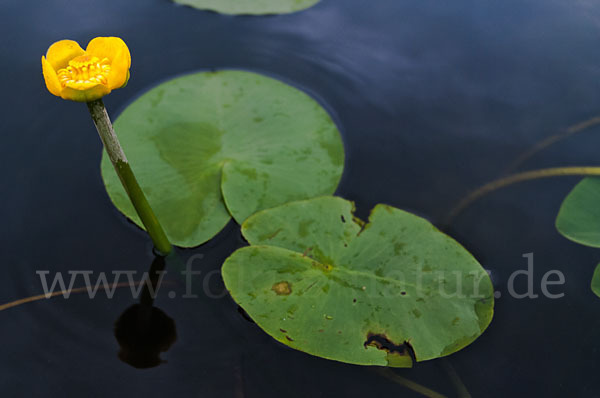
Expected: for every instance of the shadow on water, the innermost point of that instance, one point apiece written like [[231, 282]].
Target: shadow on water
[[143, 331]]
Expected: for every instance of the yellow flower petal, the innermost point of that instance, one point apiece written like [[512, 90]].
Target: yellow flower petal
[[52, 83], [108, 47], [60, 53], [119, 70], [117, 52], [89, 94]]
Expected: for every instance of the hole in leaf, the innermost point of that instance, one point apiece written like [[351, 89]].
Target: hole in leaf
[[382, 342]]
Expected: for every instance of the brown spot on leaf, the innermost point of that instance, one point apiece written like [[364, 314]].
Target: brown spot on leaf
[[282, 288], [308, 249], [274, 234], [387, 208]]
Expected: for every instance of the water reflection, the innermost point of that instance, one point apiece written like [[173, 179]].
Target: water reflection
[[143, 331]]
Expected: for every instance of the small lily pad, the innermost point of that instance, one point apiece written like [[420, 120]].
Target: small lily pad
[[251, 7], [596, 281], [384, 293], [209, 146], [579, 215]]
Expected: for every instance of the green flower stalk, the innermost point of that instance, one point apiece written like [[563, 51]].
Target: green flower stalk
[[86, 76], [119, 161]]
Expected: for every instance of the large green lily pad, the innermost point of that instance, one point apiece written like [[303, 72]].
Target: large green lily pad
[[214, 145], [579, 215], [252, 7], [316, 280]]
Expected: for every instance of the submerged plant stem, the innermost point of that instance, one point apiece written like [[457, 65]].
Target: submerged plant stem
[[85, 289], [119, 161], [569, 131], [411, 385], [515, 178], [461, 389], [47, 296]]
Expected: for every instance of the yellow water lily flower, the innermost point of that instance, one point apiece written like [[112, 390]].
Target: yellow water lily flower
[[86, 75]]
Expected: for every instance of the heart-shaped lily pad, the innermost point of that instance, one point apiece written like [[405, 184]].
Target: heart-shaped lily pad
[[385, 293], [579, 215], [251, 7], [208, 146]]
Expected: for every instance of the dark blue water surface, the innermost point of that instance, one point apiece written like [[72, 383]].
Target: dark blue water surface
[[433, 98]]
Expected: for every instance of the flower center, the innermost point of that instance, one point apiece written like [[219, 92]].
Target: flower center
[[84, 71]]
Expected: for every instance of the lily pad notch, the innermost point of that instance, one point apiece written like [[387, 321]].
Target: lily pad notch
[[389, 292], [211, 146]]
